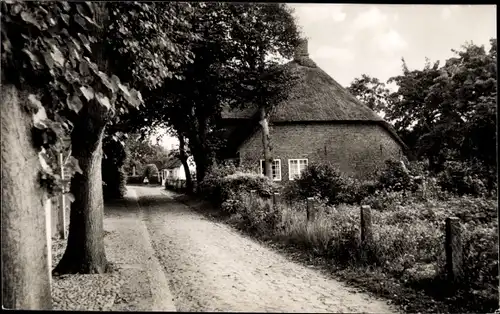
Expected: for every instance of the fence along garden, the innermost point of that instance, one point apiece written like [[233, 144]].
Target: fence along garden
[[453, 233]]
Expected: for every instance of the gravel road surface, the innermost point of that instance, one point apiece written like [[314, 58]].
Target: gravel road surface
[[211, 267]]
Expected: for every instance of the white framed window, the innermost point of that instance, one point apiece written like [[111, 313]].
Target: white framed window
[[276, 169], [295, 168]]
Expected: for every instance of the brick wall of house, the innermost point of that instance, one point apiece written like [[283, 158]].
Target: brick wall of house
[[357, 149]]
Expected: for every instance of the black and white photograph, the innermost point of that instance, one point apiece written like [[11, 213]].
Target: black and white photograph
[[249, 157]]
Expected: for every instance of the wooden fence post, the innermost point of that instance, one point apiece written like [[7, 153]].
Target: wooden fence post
[[276, 199], [366, 224], [310, 209], [61, 212], [453, 247], [48, 226], [424, 189]]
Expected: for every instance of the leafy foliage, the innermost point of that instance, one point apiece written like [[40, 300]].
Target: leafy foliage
[[396, 177], [320, 180], [452, 106], [445, 114], [152, 38], [463, 178], [256, 216], [151, 171], [222, 183], [140, 153], [370, 91], [47, 49]]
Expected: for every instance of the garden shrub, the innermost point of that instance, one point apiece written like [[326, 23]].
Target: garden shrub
[[135, 179], [257, 215], [355, 191], [320, 180], [385, 200], [223, 183], [211, 184], [404, 242], [246, 181], [151, 172], [325, 182], [394, 177], [481, 260], [463, 178]]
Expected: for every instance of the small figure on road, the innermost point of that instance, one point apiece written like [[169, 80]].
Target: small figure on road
[[146, 180]]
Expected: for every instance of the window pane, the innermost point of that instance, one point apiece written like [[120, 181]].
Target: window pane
[[293, 168]]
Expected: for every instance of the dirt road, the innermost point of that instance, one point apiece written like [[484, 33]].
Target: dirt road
[[210, 267]]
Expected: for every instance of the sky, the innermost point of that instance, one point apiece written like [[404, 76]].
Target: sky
[[348, 40]]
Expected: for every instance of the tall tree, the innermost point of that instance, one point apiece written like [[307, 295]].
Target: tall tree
[[275, 33], [49, 76], [407, 108], [272, 88], [449, 113], [370, 91], [149, 61]]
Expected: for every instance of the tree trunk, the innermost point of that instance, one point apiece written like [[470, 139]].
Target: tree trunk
[[200, 158], [268, 160], [25, 270], [201, 170], [85, 249], [183, 157]]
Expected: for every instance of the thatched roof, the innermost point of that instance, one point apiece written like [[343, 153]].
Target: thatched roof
[[316, 97]]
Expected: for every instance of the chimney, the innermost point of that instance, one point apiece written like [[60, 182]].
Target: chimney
[[301, 49]]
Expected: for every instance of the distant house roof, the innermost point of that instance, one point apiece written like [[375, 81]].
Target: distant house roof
[[316, 97], [171, 163]]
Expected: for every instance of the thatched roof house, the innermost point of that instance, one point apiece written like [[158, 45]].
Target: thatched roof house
[[321, 122]]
